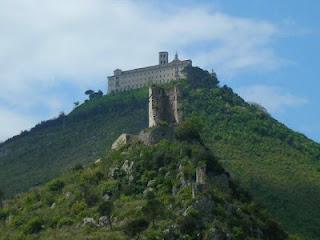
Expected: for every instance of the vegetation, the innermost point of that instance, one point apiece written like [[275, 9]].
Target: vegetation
[[157, 198], [279, 167]]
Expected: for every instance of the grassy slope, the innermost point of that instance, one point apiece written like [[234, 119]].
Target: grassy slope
[[277, 165], [81, 137], [57, 210]]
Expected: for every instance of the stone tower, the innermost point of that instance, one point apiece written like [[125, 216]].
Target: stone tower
[[164, 106], [163, 58]]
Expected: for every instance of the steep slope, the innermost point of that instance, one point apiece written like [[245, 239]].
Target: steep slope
[[278, 166], [141, 192], [79, 138]]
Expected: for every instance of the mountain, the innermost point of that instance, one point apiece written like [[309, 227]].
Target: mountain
[[277, 166], [175, 189]]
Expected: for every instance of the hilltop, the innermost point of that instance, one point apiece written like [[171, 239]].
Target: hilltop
[[278, 167]]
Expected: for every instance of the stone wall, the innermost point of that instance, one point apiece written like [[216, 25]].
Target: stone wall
[[164, 106]]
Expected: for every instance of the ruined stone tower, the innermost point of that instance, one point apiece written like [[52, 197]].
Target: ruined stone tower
[[164, 106]]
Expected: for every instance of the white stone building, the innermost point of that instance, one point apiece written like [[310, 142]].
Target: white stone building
[[137, 78]]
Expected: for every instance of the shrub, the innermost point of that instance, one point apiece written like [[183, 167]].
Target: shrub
[[3, 214], [56, 185], [77, 167], [198, 78], [105, 209], [64, 221], [191, 224], [135, 227], [34, 225], [188, 131]]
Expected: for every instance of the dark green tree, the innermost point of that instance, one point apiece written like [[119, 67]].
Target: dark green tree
[[198, 78], [105, 209], [153, 208], [136, 227]]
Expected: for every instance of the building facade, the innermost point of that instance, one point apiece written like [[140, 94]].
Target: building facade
[[164, 72]]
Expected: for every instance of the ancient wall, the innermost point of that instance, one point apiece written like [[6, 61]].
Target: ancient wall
[[164, 106]]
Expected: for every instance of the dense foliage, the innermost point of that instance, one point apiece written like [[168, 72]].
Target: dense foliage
[[278, 166], [143, 192]]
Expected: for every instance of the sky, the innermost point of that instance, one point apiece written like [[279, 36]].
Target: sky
[[51, 52]]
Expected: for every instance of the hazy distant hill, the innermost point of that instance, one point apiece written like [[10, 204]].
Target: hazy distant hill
[[278, 166]]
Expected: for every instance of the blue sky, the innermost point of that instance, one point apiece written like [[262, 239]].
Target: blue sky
[[52, 51]]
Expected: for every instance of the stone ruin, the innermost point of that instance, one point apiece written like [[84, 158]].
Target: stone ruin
[[164, 106]]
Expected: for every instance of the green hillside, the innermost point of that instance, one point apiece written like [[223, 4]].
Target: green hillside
[[141, 192], [81, 137], [279, 167]]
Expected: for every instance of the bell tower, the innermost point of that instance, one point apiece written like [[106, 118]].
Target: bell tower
[[163, 58]]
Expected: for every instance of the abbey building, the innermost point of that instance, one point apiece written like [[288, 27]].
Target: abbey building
[[164, 72]]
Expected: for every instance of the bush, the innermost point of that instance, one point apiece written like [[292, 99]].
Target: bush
[[56, 185], [188, 131], [198, 78], [191, 224], [65, 221], [135, 227], [3, 214], [33, 226]]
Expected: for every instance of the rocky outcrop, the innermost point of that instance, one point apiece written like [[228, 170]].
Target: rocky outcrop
[[122, 140]]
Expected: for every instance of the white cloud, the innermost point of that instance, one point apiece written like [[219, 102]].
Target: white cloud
[[274, 99], [44, 43]]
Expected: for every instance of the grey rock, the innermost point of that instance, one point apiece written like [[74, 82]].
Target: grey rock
[[131, 178], [103, 221], [89, 221], [151, 183], [106, 197], [201, 175], [127, 167], [67, 195], [113, 171]]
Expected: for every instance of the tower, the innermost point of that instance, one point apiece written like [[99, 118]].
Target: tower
[[163, 58]]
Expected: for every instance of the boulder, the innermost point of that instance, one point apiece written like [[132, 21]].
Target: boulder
[[122, 140], [89, 221], [103, 221], [127, 167], [106, 197]]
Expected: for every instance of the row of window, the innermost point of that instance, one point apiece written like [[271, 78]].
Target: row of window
[[133, 86]]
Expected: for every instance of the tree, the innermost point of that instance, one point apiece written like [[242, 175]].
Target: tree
[[136, 227], [89, 92], [199, 78], [105, 209], [153, 208], [76, 104], [92, 94]]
